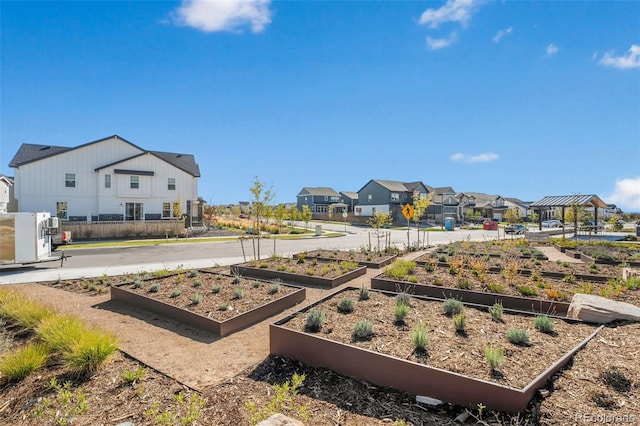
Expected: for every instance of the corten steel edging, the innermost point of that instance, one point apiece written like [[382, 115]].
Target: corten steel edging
[[249, 271], [474, 297], [406, 376], [220, 328], [369, 264]]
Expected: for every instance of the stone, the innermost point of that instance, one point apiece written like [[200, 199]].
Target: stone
[[600, 310], [279, 419]]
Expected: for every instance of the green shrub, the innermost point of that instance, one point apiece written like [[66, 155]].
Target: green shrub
[[525, 290], [197, 283], [216, 289], [22, 362], [570, 279], [175, 293], [224, 306], [403, 299], [345, 305], [518, 336], [413, 279], [400, 312], [238, 293], [496, 312], [196, 299], [543, 324], [364, 293], [464, 283], [452, 307], [193, 273], [315, 320], [584, 287], [495, 288], [633, 283], [274, 288], [400, 269], [362, 330], [256, 284], [154, 288], [420, 337], [460, 322], [138, 284], [494, 356]]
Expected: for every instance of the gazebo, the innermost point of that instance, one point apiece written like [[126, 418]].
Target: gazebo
[[571, 201]]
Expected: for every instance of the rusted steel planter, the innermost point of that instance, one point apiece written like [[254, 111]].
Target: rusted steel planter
[[268, 274], [524, 304], [369, 264], [406, 376], [221, 328]]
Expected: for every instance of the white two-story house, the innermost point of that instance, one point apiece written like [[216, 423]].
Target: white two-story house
[[110, 179]]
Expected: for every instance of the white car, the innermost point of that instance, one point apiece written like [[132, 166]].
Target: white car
[[554, 223]]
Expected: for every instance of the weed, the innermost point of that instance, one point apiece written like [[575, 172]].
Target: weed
[[633, 283], [362, 330], [615, 378], [400, 312], [282, 400], [494, 356], [311, 272], [420, 337], [593, 268], [130, 377], [347, 266], [518, 337], [175, 293], [364, 293], [185, 412], [543, 324], [345, 305], [315, 320], [413, 279], [603, 399], [496, 312], [22, 362], [556, 294], [452, 307]]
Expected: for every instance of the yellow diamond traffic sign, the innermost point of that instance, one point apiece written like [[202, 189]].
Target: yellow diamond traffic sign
[[407, 211]]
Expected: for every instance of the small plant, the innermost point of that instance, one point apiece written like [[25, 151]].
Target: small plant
[[131, 377], [364, 293], [494, 356], [216, 289], [584, 287], [282, 400], [197, 283], [400, 312], [175, 293], [224, 306], [193, 273], [196, 299], [593, 268], [362, 330], [236, 279], [400, 269], [256, 284], [300, 260], [263, 265], [496, 312], [615, 378], [464, 283], [452, 307], [525, 290], [154, 288], [603, 399], [311, 272], [543, 324], [496, 288], [518, 337], [345, 305], [22, 362], [460, 323], [274, 288], [138, 284], [569, 279], [238, 293], [88, 353], [413, 279], [556, 294], [403, 299], [315, 320], [420, 337]]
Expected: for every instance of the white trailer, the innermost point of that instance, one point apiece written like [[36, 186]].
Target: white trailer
[[26, 238]]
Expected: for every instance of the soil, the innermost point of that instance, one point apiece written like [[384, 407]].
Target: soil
[[219, 293], [233, 370], [351, 255], [462, 353], [302, 266]]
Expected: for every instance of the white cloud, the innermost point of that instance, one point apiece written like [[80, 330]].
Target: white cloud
[[480, 158], [439, 43], [628, 61], [502, 33], [223, 15], [452, 11], [626, 194], [552, 49]]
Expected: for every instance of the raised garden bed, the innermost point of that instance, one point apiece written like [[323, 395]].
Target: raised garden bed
[[370, 259], [507, 248], [214, 302], [453, 368], [606, 253], [475, 283], [301, 271]]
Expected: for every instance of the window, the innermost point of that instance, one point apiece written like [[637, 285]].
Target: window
[[171, 185], [134, 182], [61, 209], [369, 197], [326, 198], [335, 199], [321, 209], [166, 209], [395, 196], [107, 181], [133, 211], [70, 180]]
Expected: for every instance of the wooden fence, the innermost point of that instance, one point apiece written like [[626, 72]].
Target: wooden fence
[[129, 229]]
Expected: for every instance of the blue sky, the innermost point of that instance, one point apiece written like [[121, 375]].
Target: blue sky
[[522, 99]]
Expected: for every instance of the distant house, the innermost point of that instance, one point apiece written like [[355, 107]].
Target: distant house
[[444, 203], [317, 199], [388, 196], [110, 179], [350, 199], [484, 205], [522, 206], [7, 200]]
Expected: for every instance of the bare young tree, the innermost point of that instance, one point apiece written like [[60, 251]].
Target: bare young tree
[[378, 221], [260, 208]]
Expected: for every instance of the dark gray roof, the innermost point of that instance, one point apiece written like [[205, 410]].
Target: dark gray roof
[[350, 194], [319, 191], [29, 153], [392, 185], [569, 200]]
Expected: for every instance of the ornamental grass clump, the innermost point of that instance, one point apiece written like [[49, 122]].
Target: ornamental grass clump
[[543, 324], [20, 363], [87, 354], [197, 283], [154, 288], [400, 269], [196, 299], [138, 284], [315, 320], [364, 293], [496, 312], [345, 305], [60, 331], [460, 323], [25, 312], [452, 307], [362, 330], [518, 337], [216, 289], [494, 356], [175, 293], [238, 293], [274, 288], [420, 337], [403, 299], [400, 312]]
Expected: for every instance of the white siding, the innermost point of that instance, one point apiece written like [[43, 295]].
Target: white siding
[[368, 210]]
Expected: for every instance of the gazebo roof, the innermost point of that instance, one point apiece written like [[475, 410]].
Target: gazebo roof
[[570, 200]]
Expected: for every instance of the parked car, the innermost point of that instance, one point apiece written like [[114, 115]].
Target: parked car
[[243, 216], [515, 229], [554, 223]]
